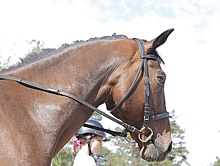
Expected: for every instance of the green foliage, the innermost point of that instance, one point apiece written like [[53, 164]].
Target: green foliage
[[63, 158], [179, 153], [37, 45], [5, 64], [164, 163], [104, 153], [217, 162], [116, 159], [96, 116], [127, 153]]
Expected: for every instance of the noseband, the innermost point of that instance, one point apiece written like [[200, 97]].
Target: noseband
[[128, 128]]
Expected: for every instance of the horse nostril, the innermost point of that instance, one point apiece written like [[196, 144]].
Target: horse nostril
[[169, 148]]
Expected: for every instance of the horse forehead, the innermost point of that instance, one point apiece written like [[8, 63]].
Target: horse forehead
[[154, 64]]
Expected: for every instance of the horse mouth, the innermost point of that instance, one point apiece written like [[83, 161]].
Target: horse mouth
[[152, 152]]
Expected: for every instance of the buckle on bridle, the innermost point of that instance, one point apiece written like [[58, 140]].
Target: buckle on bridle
[[146, 118]]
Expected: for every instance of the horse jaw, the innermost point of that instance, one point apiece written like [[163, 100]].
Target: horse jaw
[[158, 149]]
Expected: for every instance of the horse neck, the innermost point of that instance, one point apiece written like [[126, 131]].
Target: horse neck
[[82, 71]]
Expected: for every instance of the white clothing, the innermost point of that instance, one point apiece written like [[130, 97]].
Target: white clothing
[[83, 159]]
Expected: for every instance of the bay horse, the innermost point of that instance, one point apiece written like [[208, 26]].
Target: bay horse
[[125, 74]]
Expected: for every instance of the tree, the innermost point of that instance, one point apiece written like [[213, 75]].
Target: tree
[[124, 153], [179, 153], [217, 162], [127, 154], [37, 45], [177, 156], [64, 157], [5, 64]]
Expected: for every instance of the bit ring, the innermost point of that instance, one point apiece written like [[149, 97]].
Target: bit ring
[[148, 137]]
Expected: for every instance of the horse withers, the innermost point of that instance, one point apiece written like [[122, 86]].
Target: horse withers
[[36, 124]]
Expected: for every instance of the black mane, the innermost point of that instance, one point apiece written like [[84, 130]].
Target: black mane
[[45, 52]]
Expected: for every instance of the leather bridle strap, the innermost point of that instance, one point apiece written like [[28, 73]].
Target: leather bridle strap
[[58, 92], [130, 89], [113, 133], [152, 118], [143, 67], [147, 117], [144, 58]]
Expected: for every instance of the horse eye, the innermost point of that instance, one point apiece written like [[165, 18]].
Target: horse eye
[[160, 79]]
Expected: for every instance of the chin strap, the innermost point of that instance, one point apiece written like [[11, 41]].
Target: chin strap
[[88, 141], [89, 146]]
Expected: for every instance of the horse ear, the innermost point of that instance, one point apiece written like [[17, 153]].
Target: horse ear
[[161, 39]]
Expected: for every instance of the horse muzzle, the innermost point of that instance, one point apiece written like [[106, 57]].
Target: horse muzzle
[[156, 149]]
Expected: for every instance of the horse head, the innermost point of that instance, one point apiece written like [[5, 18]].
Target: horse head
[[155, 139]]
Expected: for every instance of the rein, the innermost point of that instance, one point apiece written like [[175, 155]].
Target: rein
[[128, 128], [58, 92]]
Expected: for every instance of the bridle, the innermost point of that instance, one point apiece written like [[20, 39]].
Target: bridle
[[147, 117], [128, 128]]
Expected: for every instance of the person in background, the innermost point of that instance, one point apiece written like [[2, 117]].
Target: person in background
[[87, 142]]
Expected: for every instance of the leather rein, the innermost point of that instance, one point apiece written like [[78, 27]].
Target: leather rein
[[128, 128]]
